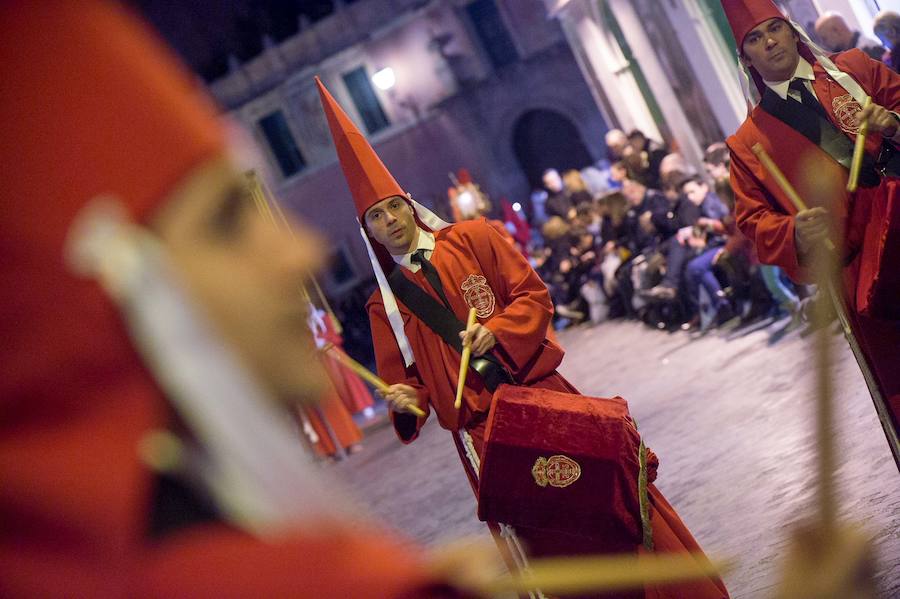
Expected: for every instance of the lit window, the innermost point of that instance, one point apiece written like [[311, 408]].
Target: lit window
[[360, 87]]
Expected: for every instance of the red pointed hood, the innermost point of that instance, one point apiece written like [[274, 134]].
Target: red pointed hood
[[744, 15], [369, 180]]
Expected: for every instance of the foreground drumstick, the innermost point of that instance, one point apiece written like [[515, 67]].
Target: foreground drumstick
[[364, 373], [584, 574], [858, 150], [783, 183], [464, 362]]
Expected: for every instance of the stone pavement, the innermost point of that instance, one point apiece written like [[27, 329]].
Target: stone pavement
[[731, 421]]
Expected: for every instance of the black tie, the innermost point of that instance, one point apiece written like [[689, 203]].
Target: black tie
[[431, 274], [807, 99]]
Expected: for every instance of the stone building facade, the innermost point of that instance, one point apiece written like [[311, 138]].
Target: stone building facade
[[488, 85]]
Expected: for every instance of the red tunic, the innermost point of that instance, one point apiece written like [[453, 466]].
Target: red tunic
[[518, 315], [765, 214], [333, 425], [352, 391]]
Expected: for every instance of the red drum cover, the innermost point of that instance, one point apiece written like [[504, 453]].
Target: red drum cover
[[878, 283], [562, 462]]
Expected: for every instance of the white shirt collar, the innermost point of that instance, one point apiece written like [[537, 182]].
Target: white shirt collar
[[804, 70], [424, 241]]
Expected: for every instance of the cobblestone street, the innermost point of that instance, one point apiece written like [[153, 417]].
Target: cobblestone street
[[731, 421]]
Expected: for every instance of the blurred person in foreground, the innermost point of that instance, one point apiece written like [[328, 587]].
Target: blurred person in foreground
[[153, 338], [806, 109]]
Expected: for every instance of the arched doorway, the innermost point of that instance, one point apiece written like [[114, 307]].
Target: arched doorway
[[545, 139]]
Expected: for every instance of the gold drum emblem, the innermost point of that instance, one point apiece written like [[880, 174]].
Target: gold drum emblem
[[557, 471]]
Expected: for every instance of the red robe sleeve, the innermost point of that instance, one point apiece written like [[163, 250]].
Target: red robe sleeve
[[771, 230], [390, 367], [883, 83], [521, 327]]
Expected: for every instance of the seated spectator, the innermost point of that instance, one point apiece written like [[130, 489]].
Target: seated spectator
[[576, 189], [616, 142], [887, 28], [673, 170], [836, 36], [597, 179], [643, 203], [618, 172], [680, 234], [699, 193], [558, 202], [643, 158]]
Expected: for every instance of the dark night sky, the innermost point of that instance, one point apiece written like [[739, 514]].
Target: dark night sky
[[205, 32]]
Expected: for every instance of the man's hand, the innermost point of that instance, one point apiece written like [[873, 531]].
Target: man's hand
[[646, 223], [881, 120], [810, 229], [480, 338], [400, 397]]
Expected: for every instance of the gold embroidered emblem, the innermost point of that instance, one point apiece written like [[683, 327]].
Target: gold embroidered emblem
[[845, 109], [478, 295], [557, 471]]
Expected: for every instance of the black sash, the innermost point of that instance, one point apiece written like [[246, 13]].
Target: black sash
[[831, 140], [442, 321]]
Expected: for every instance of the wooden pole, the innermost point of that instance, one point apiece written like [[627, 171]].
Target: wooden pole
[[464, 362], [585, 574], [365, 374]]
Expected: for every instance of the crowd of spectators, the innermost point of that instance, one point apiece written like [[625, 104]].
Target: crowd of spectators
[[659, 244]]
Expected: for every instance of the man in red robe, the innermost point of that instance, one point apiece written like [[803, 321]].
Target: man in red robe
[[463, 266], [150, 320], [806, 116]]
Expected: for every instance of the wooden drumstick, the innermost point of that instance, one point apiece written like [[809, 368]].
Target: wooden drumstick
[[364, 373], [784, 184], [464, 362], [859, 150]]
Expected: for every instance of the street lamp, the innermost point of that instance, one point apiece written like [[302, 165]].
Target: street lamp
[[384, 79]]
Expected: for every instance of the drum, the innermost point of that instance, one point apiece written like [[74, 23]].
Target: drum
[[878, 278], [562, 462]]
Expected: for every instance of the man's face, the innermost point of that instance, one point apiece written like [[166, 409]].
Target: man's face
[[616, 140], [771, 47], [637, 143], [696, 192], [246, 275], [633, 191], [552, 181], [718, 171], [392, 223], [834, 33]]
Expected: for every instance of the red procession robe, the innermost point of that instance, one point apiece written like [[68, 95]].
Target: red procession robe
[[765, 214], [352, 391], [473, 254]]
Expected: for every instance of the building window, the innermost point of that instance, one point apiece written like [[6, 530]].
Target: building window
[[275, 127], [367, 105], [341, 272], [492, 32]]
